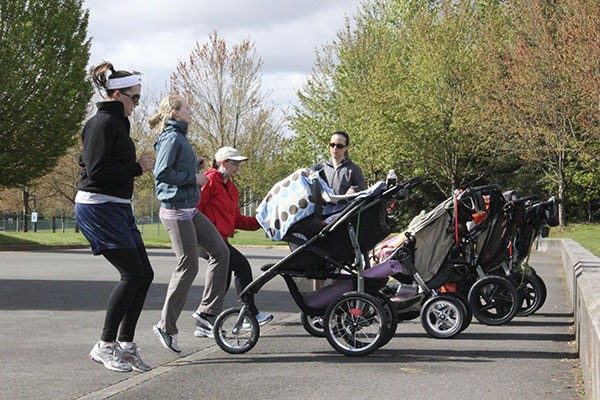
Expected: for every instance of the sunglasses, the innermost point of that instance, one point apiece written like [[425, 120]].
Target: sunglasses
[[338, 145], [135, 98]]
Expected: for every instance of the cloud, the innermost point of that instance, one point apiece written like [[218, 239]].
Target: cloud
[[152, 36]]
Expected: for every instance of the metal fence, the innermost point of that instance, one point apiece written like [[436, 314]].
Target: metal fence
[[55, 224], [19, 224]]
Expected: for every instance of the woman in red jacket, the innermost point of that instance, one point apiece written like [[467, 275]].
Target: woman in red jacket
[[220, 203]]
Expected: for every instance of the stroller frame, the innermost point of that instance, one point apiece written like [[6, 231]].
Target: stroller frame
[[353, 288]]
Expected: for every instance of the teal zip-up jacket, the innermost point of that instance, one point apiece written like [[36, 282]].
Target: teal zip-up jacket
[[176, 168]]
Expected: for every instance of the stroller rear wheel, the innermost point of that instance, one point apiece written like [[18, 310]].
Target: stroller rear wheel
[[494, 300], [392, 316], [313, 325], [356, 324], [236, 338], [532, 291], [442, 316]]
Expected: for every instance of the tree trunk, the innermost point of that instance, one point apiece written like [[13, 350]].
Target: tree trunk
[[25, 210], [562, 191]]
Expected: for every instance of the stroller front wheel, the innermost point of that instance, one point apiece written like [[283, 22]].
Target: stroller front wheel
[[355, 324], [236, 337], [532, 291], [442, 316]]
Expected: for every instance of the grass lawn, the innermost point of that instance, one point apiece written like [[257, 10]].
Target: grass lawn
[[154, 235], [588, 235]]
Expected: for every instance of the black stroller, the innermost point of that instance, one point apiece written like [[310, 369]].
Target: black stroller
[[446, 283], [525, 217], [357, 318], [497, 249]]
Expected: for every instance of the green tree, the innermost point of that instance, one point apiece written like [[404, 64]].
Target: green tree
[[315, 118], [400, 80], [541, 88], [43, 91]]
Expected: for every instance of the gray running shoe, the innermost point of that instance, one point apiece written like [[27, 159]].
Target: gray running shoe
[[203, 332], [111, 357], [263, 318], [204, 320], [204, 324], [132, 356], [167, 340]]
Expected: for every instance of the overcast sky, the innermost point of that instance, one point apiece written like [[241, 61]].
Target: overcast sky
[[151, 36]]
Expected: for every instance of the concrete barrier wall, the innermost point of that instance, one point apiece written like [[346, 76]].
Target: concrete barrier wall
[[582, 273]]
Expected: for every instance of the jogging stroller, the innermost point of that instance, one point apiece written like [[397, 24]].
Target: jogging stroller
[[525, 219], [447, 286], [505, 238], [329, 235]]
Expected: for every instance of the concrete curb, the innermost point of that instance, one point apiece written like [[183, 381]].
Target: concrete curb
[[35, 247], [582, 274]]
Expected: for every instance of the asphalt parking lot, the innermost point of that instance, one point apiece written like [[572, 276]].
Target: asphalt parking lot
[[53, 306]]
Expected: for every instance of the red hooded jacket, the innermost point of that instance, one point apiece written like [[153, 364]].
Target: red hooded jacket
[[219, 201]]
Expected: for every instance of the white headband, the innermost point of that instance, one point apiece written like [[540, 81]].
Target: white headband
[[124, 82]]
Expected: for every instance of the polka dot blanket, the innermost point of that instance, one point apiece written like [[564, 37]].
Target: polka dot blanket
[[291, 200]]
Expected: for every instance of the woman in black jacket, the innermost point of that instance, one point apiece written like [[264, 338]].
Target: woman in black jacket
[[103, 212]]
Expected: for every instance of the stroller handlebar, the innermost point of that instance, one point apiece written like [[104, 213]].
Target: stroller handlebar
[[401, 189], [411, 183], [521, 200], [527, 198], [477, 191], [550, 202]]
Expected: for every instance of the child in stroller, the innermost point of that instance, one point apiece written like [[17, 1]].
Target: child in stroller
[[329, 235]]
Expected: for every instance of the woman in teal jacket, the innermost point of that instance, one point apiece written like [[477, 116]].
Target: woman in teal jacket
[[177, 183]]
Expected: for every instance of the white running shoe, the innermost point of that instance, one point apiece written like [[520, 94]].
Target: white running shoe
[[132, 356], [262, 318], [111, 357], [203, 332]]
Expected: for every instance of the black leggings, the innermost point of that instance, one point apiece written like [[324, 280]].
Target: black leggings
[[127, 298], [240, 267]]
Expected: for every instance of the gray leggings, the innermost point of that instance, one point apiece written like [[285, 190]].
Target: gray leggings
[[186, 236]]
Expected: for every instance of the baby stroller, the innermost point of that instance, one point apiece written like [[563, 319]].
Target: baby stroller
[[508, 220], [526, 217], [357, 319], [447, 286]]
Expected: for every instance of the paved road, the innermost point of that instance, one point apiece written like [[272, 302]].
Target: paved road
[[52, 307]]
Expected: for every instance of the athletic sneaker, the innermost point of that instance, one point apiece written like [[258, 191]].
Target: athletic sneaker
[[132, 356], [167, 340], [264, 318], [204, 319], [204, 324], [111, 357], [202, 332]]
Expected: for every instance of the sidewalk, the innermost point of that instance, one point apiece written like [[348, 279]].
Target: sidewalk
[[53, 305]]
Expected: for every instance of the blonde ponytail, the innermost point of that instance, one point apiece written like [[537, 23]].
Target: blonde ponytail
[[165, 111]]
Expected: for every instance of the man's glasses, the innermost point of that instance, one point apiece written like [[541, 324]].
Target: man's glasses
[[135, 98], [338, 145], [235, 163]]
